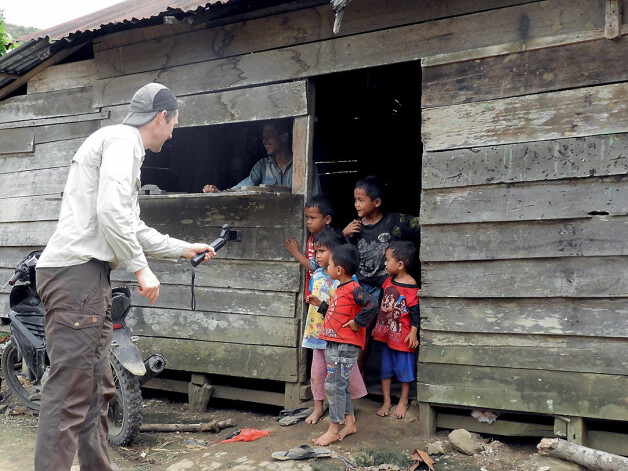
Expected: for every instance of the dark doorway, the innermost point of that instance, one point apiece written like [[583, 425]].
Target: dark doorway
[[368, 122]]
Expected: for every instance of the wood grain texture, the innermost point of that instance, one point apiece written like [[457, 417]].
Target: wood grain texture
[[234, 106], [557, 159], [545, 392], [26, 234], [47, 105], [69, 130], [542, 352], [63, 76], [13, 141], [214, 327], [594, 236], [45, 156], [565, 199], [576, 65], [49, 181], [544, 116], [585, 277], [223, 273], [239, 360], [29, 208], [10, 256], [270, 32], [225, 300], [560, 317], [387, 46]]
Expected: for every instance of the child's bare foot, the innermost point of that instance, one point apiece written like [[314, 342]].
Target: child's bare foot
[[327, 438], [383, 411], [348, 429], [314, 416], [400, 410]]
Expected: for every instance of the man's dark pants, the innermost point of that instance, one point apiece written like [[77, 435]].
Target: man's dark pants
[[76, 396]]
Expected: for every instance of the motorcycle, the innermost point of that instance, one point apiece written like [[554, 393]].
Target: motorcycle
[[25, 364]]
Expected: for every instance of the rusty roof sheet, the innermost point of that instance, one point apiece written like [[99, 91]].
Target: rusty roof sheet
[[127, 11]]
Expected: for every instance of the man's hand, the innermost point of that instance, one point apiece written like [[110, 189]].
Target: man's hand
[[149, 284], [210, 189], [292, 246], [352, 228], [352, 325], [194, 249]]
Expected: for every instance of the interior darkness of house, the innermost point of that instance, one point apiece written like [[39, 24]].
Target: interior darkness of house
[[367, 123]]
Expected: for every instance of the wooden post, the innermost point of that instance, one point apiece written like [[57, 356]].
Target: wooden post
[[303, 147], [560, 427], [199, 392], [292, 395], [612, 28], [427, 419], [577, 431]]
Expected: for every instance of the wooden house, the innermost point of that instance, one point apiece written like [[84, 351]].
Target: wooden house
[[504, 123]]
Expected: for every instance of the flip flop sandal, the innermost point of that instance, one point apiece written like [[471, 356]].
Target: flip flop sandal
[[297, 416], [303, 452]]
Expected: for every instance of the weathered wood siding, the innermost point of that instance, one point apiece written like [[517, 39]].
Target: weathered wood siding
[[521, 181], [524, 229]]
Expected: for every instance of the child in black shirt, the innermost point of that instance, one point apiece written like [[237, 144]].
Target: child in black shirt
[[372, 233]]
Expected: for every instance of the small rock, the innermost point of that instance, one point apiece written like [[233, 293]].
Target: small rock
[[554, 464], [464, 442], [436, 448]]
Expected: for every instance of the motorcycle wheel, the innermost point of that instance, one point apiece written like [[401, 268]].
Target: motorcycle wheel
[[18, 378], [125, 408]]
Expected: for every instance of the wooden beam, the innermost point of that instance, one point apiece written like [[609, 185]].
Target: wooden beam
[[535, 391], [556, 159], [587, 277], [612, 24], [586, 237], [78, 118], [58, 57], [387, 46], [9, 76], [47, 105], [582, 64], [562, 199], [520, 317], [543, 116]]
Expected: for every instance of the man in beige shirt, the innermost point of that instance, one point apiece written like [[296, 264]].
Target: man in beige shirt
[[99, 228]]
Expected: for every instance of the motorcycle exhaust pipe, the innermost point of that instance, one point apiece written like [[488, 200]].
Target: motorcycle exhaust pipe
[[154, 365]]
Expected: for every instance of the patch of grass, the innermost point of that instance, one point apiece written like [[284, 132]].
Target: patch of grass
[[377, 456]]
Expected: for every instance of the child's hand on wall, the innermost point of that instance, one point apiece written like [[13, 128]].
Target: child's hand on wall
[[292, 246]]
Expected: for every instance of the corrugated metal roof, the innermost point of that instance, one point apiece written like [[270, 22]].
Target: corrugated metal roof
[[123, 12], [37, 47]]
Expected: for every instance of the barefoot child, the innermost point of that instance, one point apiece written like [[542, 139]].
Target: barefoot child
[[323, 288], [318, 215], [397, 325], [349, 311]]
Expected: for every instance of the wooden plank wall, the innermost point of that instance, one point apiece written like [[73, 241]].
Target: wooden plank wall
[[39, 134], [524, 227], [243, 71], [245, 324]]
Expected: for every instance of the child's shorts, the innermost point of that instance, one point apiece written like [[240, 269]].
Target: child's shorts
[[399, 364]]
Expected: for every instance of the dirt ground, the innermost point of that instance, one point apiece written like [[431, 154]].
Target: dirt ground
[[379, 441]]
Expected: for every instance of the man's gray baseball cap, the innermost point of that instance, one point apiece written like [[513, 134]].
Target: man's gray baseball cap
[[147, 102]]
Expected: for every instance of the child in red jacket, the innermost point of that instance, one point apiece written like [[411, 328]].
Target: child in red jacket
[[349, 311]]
